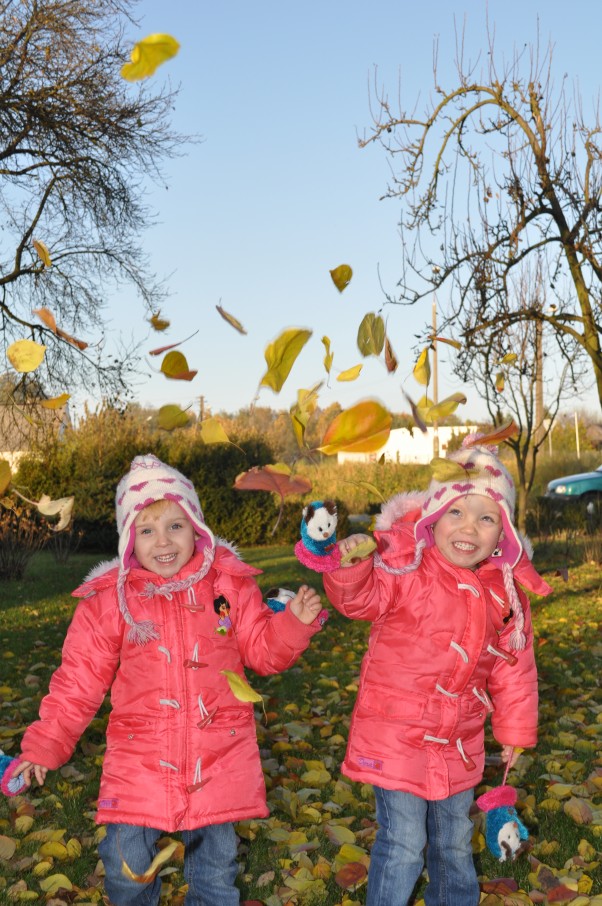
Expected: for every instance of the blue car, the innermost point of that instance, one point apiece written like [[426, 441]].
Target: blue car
[[585, 487]]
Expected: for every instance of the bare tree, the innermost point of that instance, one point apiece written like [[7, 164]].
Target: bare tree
[[502, 166], [76, 144]]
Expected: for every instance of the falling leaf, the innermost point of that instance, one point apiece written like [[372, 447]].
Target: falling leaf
[[56, 402], [280, 356], [212, 432], [341, 276], [46, 316], [5, 476], [171, 416], [509, 358], [371, 335], [231, 320], [43, 253], [329, 355], [446, 469], [152, 871], [175, 367], [417, 414], [302, 410], [446, 407], [147, 55], [240, 687], [161, 349], [275, 478], [449, 342], [364, 428], [495, 437], [422, 368], [351, 374], [390, 357], [25, 355], [500, 382], [62, 507], [158, 323]]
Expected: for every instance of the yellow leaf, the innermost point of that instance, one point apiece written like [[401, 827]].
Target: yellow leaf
[[231, 319], [23, 823], [364, 428], [341, 276], [212, 432], [25, 355], [422, 368], [43, 253], [7, 847], [55, 882], [74, 848], [175, 367], [171, 416], [56, 402], [446, 469], [360, 552], [509, 358], [5, 475], [500, 382], [449, 342], [55, 849], [302, 410], [158, 323], [281, 355], [147, 55], [151, 872], [350, 374], [240, 687], [371, 335], [329, 355], [339, 834], [41, 868], [446, 407]]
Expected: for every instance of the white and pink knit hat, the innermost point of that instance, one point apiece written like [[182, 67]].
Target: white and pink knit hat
[[150, 480]]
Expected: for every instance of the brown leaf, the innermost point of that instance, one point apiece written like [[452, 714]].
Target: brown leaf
[[234, 322], [273, 479], [351, 875], [390, 357]]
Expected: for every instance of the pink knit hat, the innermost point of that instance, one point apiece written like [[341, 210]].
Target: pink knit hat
[[150, 480]]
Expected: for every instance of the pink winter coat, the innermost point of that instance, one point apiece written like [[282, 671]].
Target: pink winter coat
[[437, 663], [181, 749]]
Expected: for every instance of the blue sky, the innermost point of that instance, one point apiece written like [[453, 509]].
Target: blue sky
[[277, 192]]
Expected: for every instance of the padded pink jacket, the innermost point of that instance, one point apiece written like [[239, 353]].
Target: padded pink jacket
[[181, 749], [437, 663]]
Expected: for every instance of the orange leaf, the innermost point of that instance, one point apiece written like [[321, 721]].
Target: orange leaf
[[390, 357], [171, 345], [364, 428], [276, 479], [158, 323], [351, 875], [496, 437], [47, 318]]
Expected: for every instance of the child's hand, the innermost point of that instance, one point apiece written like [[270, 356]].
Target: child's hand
[[29, 768], [348, 545], [511, 754], [306, 604]]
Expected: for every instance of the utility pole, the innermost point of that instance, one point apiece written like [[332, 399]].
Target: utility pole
[[539, 414], [435, 381], [201, 407]]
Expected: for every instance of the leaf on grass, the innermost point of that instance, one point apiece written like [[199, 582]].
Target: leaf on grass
[[371, 335], [158, 323], [240, 688], [350, 374], [175, 367], [7, 847], [391, 362], [351, 875], [341, 276], [56, 402], [281, 355], [171, 416], [54, 883], [329, 355], [234, 322], [364, 428], [151, 872], [446, 407], [422, 368], [5, 476], [274, 478], [25, 355], [147, 55], [43, 253]]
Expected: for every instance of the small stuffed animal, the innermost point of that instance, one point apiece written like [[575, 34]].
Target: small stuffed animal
[[317, 548], [11, 786], [278, 598], [505, 833]]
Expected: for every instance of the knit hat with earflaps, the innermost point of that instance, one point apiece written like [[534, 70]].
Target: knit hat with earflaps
[[474, 469], [150, 480]]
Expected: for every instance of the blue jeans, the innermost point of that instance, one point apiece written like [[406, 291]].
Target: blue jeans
[[406, 826], [209, 865]]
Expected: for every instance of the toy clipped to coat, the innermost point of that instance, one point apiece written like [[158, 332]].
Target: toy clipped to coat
[[317, 548], [505, 834]]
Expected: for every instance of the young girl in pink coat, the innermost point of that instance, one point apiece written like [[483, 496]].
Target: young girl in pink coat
[[451, 642], [181, 750]]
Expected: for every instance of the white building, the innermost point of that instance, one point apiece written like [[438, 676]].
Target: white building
[[406, 446]]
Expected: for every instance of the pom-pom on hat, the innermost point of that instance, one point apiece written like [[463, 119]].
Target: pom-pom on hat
[[147, 481]]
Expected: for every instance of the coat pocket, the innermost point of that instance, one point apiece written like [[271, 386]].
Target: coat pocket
[[391, 703]]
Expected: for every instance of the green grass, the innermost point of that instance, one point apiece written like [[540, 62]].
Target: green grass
[[308, 710]]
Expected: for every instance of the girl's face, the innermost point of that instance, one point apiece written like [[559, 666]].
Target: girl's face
[[164, 541], [469, 530]]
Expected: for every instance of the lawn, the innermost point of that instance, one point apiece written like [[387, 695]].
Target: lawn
[[316, 845]]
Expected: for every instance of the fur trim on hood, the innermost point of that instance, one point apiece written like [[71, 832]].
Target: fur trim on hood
[[397, 508]]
